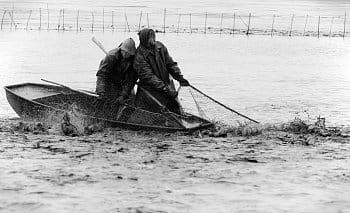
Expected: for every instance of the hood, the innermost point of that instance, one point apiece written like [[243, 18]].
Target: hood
[[144, 35], [129, 46]]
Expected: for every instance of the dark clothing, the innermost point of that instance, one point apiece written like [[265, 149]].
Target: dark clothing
[[116, 75], [153, 66]]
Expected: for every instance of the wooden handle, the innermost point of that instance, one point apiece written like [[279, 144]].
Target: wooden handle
[[99, 45]]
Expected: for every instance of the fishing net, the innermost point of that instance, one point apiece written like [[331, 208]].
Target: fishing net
[[198, 104]]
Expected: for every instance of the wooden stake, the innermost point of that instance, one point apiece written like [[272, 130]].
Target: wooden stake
[[103, 19], [307, 17], [344, 25], [330, 28], [2, 20], [249, 23], [291, 26], [30, 14], [205, 23], [12, 19], [78, 21], [164, 20], [112, 20], [59, 20], [40, 19], [48, 16], [234, 24], [140, 20], [92, 21], [147, 21], [272, 25], [318, 26], [222, 17], [178, 24], [63, 19], [191, 23], [127, 23]]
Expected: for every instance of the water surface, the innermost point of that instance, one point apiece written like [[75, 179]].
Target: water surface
[[270, 79]]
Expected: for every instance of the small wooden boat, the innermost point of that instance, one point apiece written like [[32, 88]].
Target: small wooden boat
[[42, 101]]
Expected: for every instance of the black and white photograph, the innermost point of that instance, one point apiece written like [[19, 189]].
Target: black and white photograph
[[174, 106]]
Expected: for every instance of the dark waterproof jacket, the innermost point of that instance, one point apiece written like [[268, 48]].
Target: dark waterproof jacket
[[116, 75], [154, 69]]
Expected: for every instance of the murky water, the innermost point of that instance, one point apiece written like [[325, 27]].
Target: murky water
[[271, 79]]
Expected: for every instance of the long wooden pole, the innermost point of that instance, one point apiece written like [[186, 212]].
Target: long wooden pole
[[178, 24], [291, 26], [103, 19], [232, 110], [318, 26], [63, 19], [77, 20], [330, 28], [344, 25], [74, 90], [12, 19], [191, 23], [234, 24], [2, 20], [205, 23], [92, 21], [140, 21], [126, 21], [306, 19], [222, 17], [40, 19], [59, 20], [112, 20], [48, 16], [30, 14], [272, 25], [147, 21], [249, 23], [164, 20]]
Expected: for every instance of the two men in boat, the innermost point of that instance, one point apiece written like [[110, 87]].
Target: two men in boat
[[152, 66]]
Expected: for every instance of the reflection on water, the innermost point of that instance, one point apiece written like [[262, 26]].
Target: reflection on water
[[269, 79]]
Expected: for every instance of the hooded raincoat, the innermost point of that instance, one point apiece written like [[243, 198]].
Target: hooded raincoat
[[116, 75], [154, 66]]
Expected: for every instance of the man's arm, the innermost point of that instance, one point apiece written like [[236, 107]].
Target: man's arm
[[146, 75], [103, 74], [174, 69], [129, 81]]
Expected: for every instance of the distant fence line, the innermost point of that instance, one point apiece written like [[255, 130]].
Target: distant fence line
[[173, 22]]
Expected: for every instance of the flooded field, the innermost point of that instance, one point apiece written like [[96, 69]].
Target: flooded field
[[271, 79]]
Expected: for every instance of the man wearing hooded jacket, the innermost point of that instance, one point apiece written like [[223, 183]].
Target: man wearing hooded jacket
[[153, 65], [116, 76]]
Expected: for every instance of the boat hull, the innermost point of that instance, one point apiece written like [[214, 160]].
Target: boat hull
[[42, 102]]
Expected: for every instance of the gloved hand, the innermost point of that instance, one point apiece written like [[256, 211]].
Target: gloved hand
[[171, 93], [183, 82]]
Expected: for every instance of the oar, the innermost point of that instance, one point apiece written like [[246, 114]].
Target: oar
[[74, 90], [223, 104]]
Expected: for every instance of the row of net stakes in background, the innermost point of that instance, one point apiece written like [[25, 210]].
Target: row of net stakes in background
[[100, 21]]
